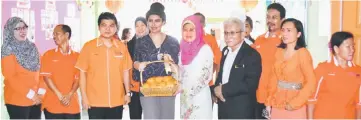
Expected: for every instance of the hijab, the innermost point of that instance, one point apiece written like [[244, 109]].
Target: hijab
[[26, 53], [189, 50]]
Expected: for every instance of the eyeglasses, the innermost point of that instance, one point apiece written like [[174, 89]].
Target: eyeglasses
[[231, 33], [21, 28]]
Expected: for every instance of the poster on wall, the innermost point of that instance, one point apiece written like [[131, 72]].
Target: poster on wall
[[14, 12], [74, 23], [49, 18], [43, 19], [28, 16], [23, 4], [50, 5], [32, 26]]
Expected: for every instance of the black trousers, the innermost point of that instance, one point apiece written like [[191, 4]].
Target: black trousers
[[259, 111], [135, 108], [49, 115], [105, 112], [21, 112]]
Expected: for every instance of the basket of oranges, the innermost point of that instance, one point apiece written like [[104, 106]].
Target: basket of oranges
[[158, 85]]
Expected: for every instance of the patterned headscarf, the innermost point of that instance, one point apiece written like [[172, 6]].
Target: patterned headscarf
[[26, 53], [189, 50]]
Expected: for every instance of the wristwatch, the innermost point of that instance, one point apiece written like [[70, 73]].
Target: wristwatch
[[130, 94]]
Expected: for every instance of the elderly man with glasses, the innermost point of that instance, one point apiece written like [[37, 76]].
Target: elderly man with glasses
[[239, 74]]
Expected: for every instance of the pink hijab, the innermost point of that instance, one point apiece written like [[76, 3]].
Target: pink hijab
[[189, 50]]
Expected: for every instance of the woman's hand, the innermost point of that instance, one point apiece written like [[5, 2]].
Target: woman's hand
[[180, 90], [140, 65]]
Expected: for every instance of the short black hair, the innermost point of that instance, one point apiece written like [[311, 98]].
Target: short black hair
[[107, 16], [66, 29], [250, 21], [337, 39], [124, 33], [301, 43], [279, 8]]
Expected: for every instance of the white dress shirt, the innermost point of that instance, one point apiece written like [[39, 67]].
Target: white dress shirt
[[248, 41], [228, 63]]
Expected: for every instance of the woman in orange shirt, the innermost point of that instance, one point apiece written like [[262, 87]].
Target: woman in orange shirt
[[338, 89], [292, 80], [20, 68]]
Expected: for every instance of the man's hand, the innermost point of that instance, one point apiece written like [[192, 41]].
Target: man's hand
[[66, 99], [288, 107], [59, 95], [36, 99], [85, 104], [218, 92], [214, 99], [127, 99]]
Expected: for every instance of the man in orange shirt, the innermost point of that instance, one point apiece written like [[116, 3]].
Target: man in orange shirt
[[212, 42], [104, 65], [59, 74], [266, 44]]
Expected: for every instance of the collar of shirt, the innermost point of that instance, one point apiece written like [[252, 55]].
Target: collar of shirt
[[349, 63], [58, 49], [278, 34], [228, 63], [101, 42], [248, 41], [235, 51]]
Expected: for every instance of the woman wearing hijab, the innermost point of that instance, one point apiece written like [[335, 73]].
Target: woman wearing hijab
[[141, 30], [197, 67], [20, 68], [135, 108], [154, 47]]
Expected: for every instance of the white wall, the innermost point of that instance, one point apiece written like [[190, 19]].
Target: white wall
[[318, 30]]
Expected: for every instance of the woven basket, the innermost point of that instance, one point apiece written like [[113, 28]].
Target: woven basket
[[156, 88]]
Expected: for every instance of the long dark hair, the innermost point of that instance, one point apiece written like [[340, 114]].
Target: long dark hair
[[125, 32], [301, 43]]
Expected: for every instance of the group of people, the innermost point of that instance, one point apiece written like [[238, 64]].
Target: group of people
[[271, 77]]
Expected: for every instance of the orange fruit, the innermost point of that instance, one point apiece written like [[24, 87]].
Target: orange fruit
[[158, 80], [145, 86]]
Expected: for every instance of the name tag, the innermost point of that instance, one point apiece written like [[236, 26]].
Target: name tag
[[238, 66], [118, 56]]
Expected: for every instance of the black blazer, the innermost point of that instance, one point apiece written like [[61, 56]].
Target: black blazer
[[240, 91], [131, 46]]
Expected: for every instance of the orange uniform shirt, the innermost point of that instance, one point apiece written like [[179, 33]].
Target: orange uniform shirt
[[297, 69], [59, 67], [338, 91], [212, 42], [134, 85], [104, 69], [19, 82], [266, 46]]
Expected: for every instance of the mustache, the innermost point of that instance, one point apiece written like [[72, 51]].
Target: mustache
[[269, 23]]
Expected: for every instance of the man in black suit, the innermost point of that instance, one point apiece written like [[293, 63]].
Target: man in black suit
[[239, 74]]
